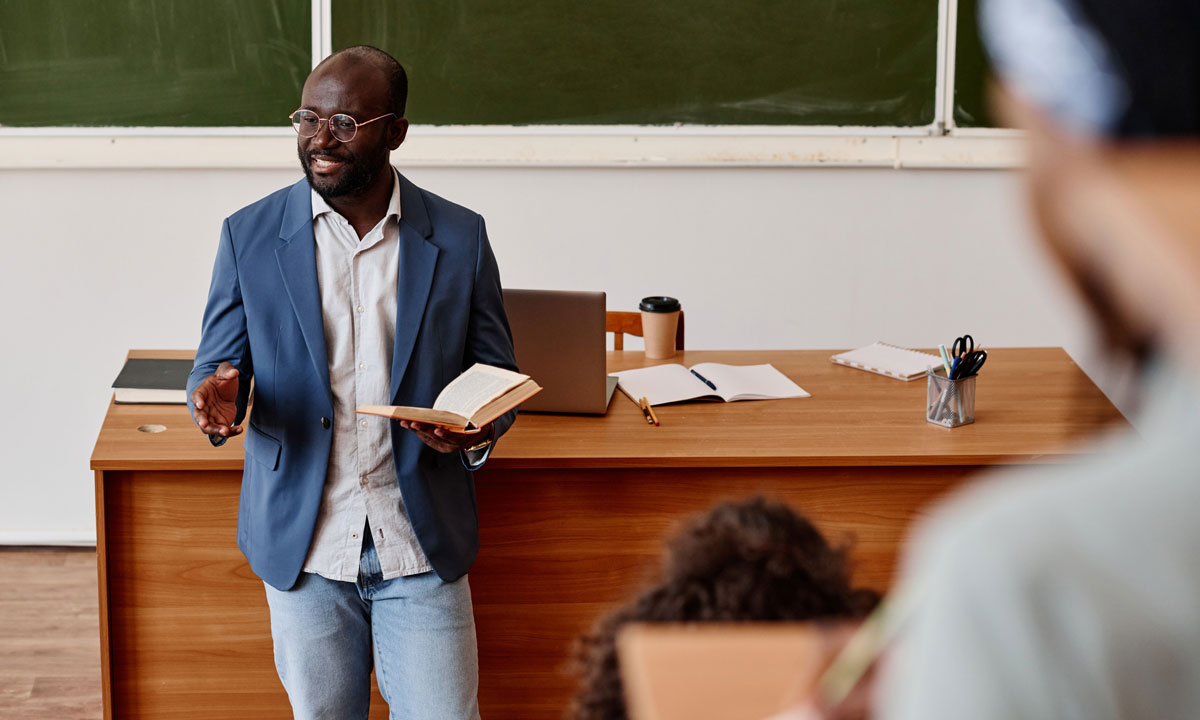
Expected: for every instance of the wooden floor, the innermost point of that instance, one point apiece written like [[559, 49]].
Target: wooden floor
[[49, 635]]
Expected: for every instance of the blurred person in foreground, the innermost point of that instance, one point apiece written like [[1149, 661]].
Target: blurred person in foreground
[[1072, 591], [751, 560]]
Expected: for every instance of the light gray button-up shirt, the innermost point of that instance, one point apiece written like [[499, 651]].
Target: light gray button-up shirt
[[358, 282]]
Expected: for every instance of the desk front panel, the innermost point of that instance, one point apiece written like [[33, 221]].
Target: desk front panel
[[188, 623], [188, 627], [561, 548]]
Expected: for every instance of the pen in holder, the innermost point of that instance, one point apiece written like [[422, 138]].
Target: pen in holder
[[949, 403]]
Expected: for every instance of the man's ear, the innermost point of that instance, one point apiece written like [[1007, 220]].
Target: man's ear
[[397, 131]]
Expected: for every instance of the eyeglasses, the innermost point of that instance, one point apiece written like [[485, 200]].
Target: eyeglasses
[[342, 127]]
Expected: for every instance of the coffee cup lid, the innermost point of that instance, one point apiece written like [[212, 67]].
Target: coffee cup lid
[[659, 304]]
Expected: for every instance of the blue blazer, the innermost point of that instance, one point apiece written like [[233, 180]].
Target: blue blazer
[[264, 316]]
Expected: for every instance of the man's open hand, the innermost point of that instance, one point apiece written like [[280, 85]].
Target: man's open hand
[[215, 399]]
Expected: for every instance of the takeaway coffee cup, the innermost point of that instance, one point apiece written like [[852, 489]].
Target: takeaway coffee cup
[[660, 318]]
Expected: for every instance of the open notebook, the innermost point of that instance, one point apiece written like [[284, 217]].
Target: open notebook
[[673, 382], [890, 360]]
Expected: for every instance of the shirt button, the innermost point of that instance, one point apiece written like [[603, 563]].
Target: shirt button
[[354, 535], [364, 423], [325, 423], [362, 366], [361, 308], [362, 481]]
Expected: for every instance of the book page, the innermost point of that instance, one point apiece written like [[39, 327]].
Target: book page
[[476, 387], [661, 384], [750, 382], [505, 402], [424, 415]]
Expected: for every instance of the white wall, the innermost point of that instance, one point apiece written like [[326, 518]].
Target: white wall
[[99, 261]]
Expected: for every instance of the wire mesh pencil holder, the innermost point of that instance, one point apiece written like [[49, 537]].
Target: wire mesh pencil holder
[[949, 403]]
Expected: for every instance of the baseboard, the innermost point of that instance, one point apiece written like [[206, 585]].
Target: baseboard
[[79, 538]]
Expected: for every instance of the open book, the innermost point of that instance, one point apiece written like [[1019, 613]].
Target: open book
[[673, 383], [472, 400]]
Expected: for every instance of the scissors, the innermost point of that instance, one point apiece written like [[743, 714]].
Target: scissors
[[969, 364], [964, 345], [961, 347]]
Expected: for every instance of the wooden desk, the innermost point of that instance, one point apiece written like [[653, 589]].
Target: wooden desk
[[572, 513]]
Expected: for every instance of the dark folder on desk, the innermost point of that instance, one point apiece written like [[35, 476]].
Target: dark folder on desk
[[558, 336]]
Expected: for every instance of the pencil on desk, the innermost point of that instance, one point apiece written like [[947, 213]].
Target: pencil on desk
[[645, 406], [650, 409]]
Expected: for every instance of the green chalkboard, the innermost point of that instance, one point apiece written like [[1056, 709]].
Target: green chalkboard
[[503, 62], [656, 62], [971, 71], [152, 62]]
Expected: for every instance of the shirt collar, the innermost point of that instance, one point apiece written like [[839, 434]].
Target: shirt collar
[[320, 207]]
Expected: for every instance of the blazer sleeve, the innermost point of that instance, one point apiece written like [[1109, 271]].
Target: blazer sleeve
[[489, 339], [223, 333]]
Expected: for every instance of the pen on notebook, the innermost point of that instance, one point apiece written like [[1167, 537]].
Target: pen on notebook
[[645, 406], [703, 379]]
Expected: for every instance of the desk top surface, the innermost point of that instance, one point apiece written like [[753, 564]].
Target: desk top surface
[[1032, 405]]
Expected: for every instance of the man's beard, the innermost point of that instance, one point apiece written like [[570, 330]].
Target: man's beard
[[357, 174]]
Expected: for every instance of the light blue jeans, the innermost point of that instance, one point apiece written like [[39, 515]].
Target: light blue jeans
[[421, 629]]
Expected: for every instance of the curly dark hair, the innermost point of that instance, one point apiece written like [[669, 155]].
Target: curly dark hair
[[752, 560]]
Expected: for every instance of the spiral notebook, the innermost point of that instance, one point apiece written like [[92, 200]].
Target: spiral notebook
[[891, 360]]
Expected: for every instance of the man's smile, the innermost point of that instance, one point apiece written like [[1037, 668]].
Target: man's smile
[[324, 163]]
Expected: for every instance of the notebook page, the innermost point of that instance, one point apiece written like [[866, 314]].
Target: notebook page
[[661, 384], [750, 382]]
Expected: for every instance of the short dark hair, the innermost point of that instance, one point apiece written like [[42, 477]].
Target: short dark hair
[[1154, 45], [1138, 77], [397, 78], [752, 560]]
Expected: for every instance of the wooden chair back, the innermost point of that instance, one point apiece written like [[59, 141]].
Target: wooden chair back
[[621, 323]]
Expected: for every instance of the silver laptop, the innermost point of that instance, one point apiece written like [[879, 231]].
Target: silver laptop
[[558, 336]]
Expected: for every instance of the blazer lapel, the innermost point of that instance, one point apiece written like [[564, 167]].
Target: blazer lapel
[[297, 259], [418, 259]]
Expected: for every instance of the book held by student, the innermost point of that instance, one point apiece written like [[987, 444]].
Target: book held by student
[[674, 383], [472, 400]]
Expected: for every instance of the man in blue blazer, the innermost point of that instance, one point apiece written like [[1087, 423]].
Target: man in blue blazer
[[355, 287]]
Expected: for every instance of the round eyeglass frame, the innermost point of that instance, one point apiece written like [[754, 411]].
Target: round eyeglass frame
[[334, 130]]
